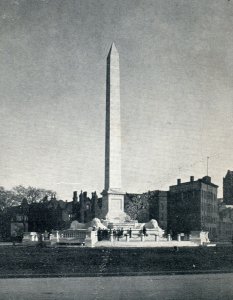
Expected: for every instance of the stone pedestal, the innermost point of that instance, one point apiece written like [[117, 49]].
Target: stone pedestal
[[113, 207], [200, 237], [91, 238], [111, 238]]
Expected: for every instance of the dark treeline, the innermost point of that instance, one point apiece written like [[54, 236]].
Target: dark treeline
[[17, 194]]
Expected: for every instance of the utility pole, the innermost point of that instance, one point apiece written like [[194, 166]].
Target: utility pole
[[207, 165]]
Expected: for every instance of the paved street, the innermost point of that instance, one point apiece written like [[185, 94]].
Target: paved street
[[208, 286]]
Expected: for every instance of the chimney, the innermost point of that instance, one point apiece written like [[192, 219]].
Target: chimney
[[75, 196], [191, 178], [206, 179], [178, 181]]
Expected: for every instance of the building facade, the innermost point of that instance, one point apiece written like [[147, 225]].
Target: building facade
[[193, 206], [228, 188]]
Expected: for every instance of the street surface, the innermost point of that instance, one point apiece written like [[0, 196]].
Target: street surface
[[205, 286]]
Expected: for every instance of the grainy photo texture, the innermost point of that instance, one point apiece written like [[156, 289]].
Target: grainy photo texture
[[116, 161]]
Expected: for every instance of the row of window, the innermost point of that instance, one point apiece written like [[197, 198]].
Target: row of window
[[226, 225], [161, 206], [19, 218], [209, 219], [208, 196], [226, 232], [208, 208]]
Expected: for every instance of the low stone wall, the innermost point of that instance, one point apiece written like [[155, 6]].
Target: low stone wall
[[89, 237], [145, 244], [84, 237], [30, 238], [199, 237], [74, 237], [152, 238]]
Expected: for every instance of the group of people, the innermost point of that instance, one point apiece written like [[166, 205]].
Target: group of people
[[118, 233], [104, 234]]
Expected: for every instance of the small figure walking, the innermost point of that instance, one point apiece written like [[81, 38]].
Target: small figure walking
[[130, 233], [114, 234], [144, 230]]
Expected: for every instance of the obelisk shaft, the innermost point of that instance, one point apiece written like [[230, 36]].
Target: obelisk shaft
[[113, 123], [112, 209]]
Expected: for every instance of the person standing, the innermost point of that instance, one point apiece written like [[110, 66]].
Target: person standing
[[130, 233], [144, 230]]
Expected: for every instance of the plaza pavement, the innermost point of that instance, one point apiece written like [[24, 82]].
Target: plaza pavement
[[180, 287]]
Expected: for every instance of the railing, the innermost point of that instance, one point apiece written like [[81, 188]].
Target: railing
[[78, 236], [69, 234]]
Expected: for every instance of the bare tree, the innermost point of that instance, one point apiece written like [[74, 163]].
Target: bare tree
[[137, 207], [17, 194]]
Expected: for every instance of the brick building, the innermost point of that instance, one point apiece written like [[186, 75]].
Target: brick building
[[225, 226], [228, 188], [193, 206]]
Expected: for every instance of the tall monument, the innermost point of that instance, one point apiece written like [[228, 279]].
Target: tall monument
[[113, 197]]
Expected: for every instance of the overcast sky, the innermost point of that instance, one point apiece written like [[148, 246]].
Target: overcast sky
[[176, 64]]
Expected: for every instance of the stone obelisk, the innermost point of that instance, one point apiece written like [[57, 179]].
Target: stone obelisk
[[113, 197]]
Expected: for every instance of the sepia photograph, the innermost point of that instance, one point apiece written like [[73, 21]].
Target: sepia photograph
[[116, 156]]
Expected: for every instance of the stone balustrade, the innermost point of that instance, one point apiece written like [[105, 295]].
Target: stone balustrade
[[74, 237]]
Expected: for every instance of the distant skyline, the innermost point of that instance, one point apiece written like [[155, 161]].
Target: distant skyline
[[176, 68]]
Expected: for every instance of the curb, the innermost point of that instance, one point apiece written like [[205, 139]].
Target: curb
[[161, 273]]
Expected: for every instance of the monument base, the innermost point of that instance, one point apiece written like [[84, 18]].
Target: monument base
[[123, 225], [113, 206]]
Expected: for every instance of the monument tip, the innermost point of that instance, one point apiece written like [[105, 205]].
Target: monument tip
[[113, 48]]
